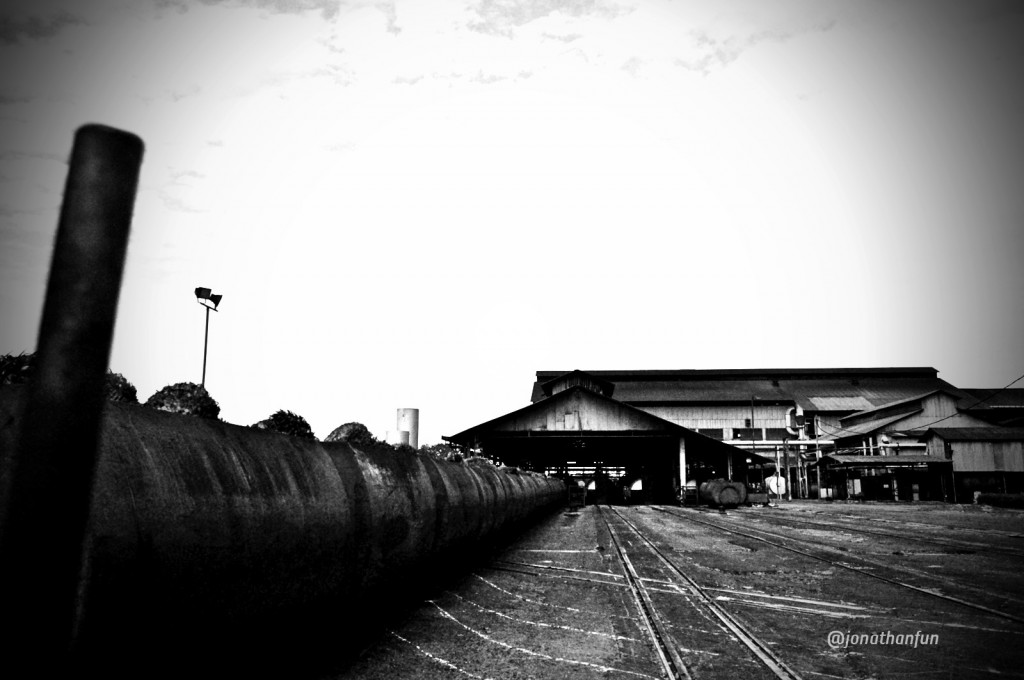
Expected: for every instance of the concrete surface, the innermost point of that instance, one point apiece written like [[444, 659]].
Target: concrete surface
[[829, 590]]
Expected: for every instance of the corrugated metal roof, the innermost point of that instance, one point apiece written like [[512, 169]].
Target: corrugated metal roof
[[829, 390], [912, 400], [850, 460], [979, 434], [993, 398], [866, 428], [857, 403]]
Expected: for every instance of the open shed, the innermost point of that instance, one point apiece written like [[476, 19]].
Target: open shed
[[578, 430]]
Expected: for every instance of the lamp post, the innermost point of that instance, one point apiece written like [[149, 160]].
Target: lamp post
[[211, 302]]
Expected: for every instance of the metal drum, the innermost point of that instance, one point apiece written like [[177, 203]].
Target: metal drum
[[723, 493]]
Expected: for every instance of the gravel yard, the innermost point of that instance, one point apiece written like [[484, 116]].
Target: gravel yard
[[805, 589]]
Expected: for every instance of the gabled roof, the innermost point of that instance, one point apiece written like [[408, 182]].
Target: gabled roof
[[850, 460], [978, 434], [839, 390], [640, 418], [866, 428], [909, 402], [578, 377], [554, 402]]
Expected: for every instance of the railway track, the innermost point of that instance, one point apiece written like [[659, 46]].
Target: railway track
[[667, 647], [931, 526], [861, 565], [951, 544]]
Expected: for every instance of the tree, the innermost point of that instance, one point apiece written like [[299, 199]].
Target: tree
[[288, 423], [119, 389], [18, 370], [447, 452], [353, 433], [188, 398]]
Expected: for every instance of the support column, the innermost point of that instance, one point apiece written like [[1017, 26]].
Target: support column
[[682, 469]]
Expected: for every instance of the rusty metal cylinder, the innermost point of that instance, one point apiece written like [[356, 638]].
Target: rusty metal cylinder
[[723, 493], [47, 478], [200, 528]]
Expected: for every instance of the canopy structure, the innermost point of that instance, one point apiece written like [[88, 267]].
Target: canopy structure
[[577, 429]]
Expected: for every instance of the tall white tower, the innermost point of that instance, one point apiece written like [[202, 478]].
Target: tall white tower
[[409, 421]]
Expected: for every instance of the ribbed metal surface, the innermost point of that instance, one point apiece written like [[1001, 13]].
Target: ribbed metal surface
[[210, 525]]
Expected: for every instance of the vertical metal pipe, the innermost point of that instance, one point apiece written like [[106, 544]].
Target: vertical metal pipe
[[45, 502], [789, 485], [206, 339]]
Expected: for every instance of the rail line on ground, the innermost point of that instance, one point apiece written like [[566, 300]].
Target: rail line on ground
[[929, 525], [690, 515], [949, 543], [761, 651], [664, 645]]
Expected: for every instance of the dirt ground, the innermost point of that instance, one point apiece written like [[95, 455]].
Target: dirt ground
[[822, 589]]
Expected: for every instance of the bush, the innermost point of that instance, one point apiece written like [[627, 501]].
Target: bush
[[358, 436], [119, 389], [188, 398], [447, 452], [288, 423], [18, 370], [354, 433]]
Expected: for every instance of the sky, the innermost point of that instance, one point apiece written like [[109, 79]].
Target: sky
[[411, 204]]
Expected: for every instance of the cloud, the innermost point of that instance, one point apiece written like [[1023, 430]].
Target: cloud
[[566, 38], [713, 52], [327, 8], [14, 29], [177, 204], [502, 17]]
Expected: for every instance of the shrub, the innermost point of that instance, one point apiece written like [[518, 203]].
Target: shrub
[[447, 452], [353, 433], [18, 370], [188, 398], [119, 389], [288, 423]]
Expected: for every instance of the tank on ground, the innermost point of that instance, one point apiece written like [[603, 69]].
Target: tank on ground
[[723, 493]]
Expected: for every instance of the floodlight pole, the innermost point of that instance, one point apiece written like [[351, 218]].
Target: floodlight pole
[[201, 294], [206, 340]]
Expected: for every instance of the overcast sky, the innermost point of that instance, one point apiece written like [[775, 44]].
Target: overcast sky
[[420, 203]]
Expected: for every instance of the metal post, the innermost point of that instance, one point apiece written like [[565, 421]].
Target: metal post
[[778, 465], [44, 504], [817, 457], [753, 437], [206, 338], [789, 485]]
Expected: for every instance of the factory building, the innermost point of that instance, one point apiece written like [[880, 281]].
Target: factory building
[[846, 433], [790, 416], [982, 459], [576, 428]]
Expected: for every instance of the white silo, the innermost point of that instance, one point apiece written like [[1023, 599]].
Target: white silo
[[409, 420], [397, 438]]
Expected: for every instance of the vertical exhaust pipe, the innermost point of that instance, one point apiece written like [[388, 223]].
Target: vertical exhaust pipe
[[47, 487]]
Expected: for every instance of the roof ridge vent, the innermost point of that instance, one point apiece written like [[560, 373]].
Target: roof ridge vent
[[580, 379]]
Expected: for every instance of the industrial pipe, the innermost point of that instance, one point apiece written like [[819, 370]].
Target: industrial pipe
[[46, 480], [214, 538]]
